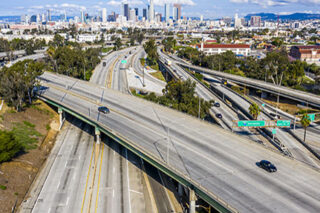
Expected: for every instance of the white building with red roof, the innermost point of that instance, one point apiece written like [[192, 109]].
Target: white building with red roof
[[213, 49]]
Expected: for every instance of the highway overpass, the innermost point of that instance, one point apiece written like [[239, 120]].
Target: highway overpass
[[219, 166], [304, 97]]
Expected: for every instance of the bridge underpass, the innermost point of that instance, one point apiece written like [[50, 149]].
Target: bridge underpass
[[220, 173]]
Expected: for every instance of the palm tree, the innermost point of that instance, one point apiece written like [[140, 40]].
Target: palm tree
[[305, 122], [254, 110]]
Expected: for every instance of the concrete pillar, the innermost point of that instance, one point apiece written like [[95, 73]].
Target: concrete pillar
[[98, 135], [61, 117], [264, 94], [192, 201], [180, 189]]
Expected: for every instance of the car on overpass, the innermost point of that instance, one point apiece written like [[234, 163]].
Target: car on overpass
[[104, 110], [216, 104], [267, 165], [219, 115]]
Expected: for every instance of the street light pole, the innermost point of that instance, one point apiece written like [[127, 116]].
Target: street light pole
[[199, 108], [168, 145]]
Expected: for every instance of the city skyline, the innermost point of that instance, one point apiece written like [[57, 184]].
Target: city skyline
[[190, 8]]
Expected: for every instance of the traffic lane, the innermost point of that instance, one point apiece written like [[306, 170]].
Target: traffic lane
[[61, 187]]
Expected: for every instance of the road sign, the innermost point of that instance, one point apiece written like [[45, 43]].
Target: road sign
[[274, 131], [251, 123], [283, 123], [123, 61], [312, 117]]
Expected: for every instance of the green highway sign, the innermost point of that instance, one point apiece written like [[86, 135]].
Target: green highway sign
[[312, 117], [123, 61], [274, 131], [283, 123], [251, 123]]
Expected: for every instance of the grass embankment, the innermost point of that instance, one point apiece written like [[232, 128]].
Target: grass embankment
[[26, 140], [158, 75], [106, 49]]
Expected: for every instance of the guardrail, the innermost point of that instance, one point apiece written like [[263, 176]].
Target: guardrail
[[212, 199]]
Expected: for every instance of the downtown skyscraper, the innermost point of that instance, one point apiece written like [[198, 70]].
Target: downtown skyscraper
[[167, 12], [151, 11]]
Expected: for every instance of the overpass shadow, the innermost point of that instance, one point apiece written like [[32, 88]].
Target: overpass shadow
[[158, 182]]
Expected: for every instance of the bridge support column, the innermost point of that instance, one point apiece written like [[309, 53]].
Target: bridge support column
[[264, 94], [192, 201], [180, 189], [61, 117], [98, 135]]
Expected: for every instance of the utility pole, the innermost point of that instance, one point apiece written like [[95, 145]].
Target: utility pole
[[168, 145], [199, 107], [143, 76]]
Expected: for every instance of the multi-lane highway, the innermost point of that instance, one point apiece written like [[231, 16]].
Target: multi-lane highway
[[228, 115], [219, 161], [105, 177], [297, 150]]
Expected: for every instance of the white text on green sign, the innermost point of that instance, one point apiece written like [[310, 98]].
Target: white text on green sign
[[283, 123], [251, 123]]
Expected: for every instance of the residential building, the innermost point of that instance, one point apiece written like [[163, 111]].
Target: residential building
[[255, 21], [213, 49], [309, 54]]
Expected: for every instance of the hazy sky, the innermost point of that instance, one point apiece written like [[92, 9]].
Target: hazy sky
[[207, 8]]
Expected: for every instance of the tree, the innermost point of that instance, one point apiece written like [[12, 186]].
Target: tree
[[254, 110], [181, 96], [18, 81], [151, 49], [117, 44], [305, 122], [277, 63], [9, 146]]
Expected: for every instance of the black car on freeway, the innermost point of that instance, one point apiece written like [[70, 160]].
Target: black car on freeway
[[267, 165], [104, 110]]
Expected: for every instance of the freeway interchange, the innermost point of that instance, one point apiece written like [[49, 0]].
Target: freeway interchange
[[219, 163], [212, 158]]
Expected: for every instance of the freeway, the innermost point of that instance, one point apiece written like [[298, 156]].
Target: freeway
[[30, 57], [228, 115], [297, 150], [297, 95], [221, 163], [100, 73]]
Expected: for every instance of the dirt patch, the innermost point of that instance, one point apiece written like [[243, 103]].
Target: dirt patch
[[18, 174]]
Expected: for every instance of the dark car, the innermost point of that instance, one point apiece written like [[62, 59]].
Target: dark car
[[219, 115], [104, 63], [104, 110], [266, 165], [217, 104]]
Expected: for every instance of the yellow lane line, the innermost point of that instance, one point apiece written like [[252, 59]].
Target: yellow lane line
[[96, 206], [146, 178], [97, 152], [85, 190]]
